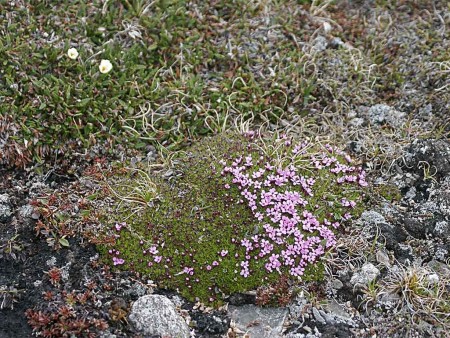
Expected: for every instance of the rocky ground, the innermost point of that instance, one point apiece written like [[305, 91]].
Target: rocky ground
[[377, 282], [389, 275]]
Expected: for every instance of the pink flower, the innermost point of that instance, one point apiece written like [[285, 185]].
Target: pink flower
[[118, 261], [293, 236], [245, 273], [188, 271], [119, 226]]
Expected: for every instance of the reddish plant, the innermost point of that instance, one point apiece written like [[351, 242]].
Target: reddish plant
[[277, 294], [54, 275]]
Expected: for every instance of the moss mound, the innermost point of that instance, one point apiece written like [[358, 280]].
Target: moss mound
[[238, 212]]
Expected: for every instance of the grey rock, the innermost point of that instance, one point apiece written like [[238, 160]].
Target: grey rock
[[214, 323], [404, 254], [107, 334], [392, 235], [372, 217], [426, 111], [156, 315], [5, 208], [296, 308], [241, 299], [320, 43], [136, 290], [88, 183], [377, 114], [337, 310], [356, 122], [435, 153], [415, 227], [336, 284], [4, 198], [367, 274], [329, 318], [441, 253], [389, 299], [411, 194], [383, 258], [311, 333], [439, 267], [318, 316], [381, 113], [259, 322], [357, 146], [26, 211], [336, 43]]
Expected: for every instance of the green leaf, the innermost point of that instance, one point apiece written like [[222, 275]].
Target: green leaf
[[64, 242], [92, 197], [84, 102]]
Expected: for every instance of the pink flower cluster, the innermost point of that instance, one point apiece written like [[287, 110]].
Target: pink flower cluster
[[349, 173], [116, 260], [293, 236]]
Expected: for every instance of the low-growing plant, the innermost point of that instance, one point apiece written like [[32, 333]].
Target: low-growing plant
[[246, 211], [74, 313], [277, 294], [420, 290], [417, 293], [13, 248]]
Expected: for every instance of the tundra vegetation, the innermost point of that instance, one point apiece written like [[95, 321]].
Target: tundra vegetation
[[204, 146]]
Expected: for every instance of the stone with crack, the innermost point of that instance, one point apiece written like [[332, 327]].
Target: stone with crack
[[156, 315]]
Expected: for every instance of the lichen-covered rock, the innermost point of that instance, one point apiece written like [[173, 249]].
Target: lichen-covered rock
[[381, 114], [372, 217], [214, 323], [156, 315], [431, 218], [427, 157], [392, 235], [257, 321], [367, 274], [5, 208]]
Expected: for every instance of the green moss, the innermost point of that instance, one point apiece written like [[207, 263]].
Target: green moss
[[389, 192], [194, 218]]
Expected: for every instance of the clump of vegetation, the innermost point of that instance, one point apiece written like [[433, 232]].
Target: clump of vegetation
[[277, 294], [62, 87], [237, 212], [64, 313], [413, 291]]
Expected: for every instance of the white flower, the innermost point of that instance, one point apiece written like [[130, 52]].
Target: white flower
[[326, 27], [72, 53], [105, 66]]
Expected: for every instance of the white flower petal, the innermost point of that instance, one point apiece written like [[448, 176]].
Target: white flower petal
[[105, 66], [72, 53]]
